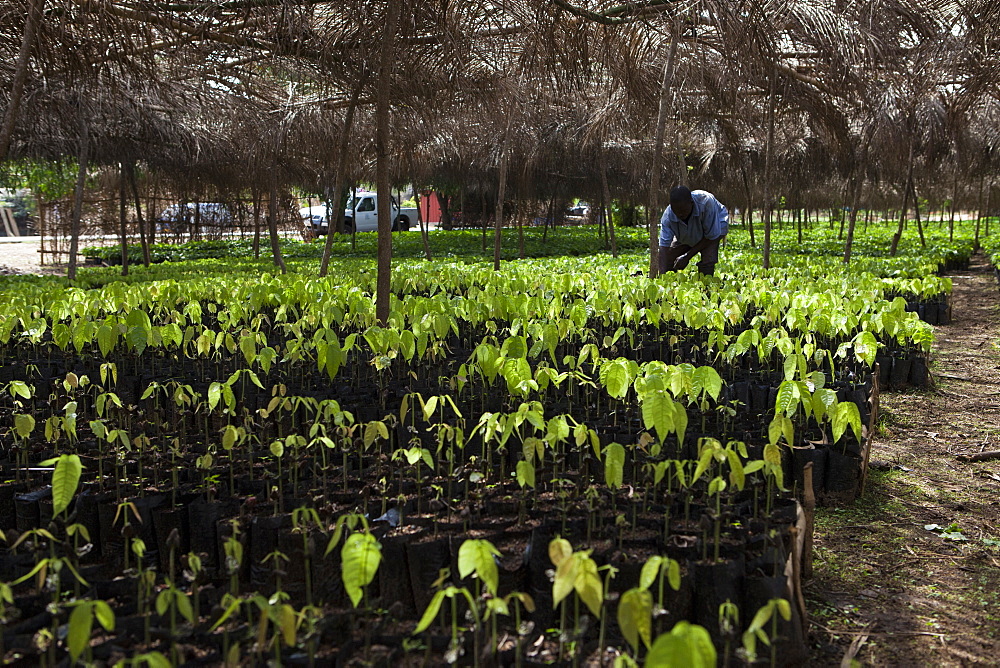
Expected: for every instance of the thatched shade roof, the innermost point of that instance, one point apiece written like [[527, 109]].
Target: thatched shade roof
[[242, 93]]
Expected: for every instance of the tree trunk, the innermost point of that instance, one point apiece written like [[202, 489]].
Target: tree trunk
[[256, 224], [138, 214], [989, 207], [749, 206], [768, 196], [31, 21], [122, 222], [444, 205], [151, 216], [906, 205], [382, 185], [951, 213], [916, 212], [422, 224], [520, 233], [272, 228], [606, 201], [855, 201], [550, 218], [334, 211], [653, 212], [81, 181], [501, 193]]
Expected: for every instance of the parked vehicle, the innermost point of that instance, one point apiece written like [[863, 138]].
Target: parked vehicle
[[207, 214], [360, 215]]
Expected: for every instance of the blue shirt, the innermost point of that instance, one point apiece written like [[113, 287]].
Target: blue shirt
[[709, 219]]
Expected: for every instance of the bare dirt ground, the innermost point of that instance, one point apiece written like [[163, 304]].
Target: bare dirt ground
[[22, 257], [910, 574]]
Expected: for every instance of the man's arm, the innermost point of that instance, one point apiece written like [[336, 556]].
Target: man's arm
[[715, 223], [698, 247], [682, 261], [666, 234]]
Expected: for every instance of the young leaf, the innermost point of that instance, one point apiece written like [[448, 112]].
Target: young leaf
[[650, 570], [24, 424], [65, 479], [229, 435], [81, 624], [214, 394], [686, 646], [429, 407], [431, 612], [360, 559], [635, 611], [614, 465], [477, 556], [559, 550], [525, 474]]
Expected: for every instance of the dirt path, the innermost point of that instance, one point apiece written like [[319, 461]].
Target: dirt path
[[889, 585], [22, 257]]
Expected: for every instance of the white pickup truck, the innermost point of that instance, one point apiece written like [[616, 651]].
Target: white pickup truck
[[361, 215]]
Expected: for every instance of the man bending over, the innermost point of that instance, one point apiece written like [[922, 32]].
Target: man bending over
[[695, 222]]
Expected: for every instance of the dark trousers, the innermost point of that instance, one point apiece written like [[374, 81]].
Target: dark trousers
[[709, 256]]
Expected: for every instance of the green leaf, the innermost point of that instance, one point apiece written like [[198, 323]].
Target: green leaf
[[788, 430], [788, 398], [429, 407], [525, 474], [360, 559], [823, 400], [277, 448], [614, 465], [615, 377], [65, 480], [214, 394], [559, 551], [253, 378], [229, 435], [588, 583], [248, 346], [706, 457], [533, 447], [736, 473], [706, 379], [81, 624], [430, 613], [514, 346], [846, 415], [674, 574], [477, 556], [658, 413], [772, 455], [686, 646], [19, 388], [163, 601], [565, 580], [557, 429], [24, 424], [184, 606], [650, 570], [234, 605], [107, 337], [635, 611], [104, 615]]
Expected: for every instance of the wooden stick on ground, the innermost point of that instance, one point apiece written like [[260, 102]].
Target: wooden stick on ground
[[979, 457]]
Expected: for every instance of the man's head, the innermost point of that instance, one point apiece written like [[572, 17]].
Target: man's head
[[681, 202]]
